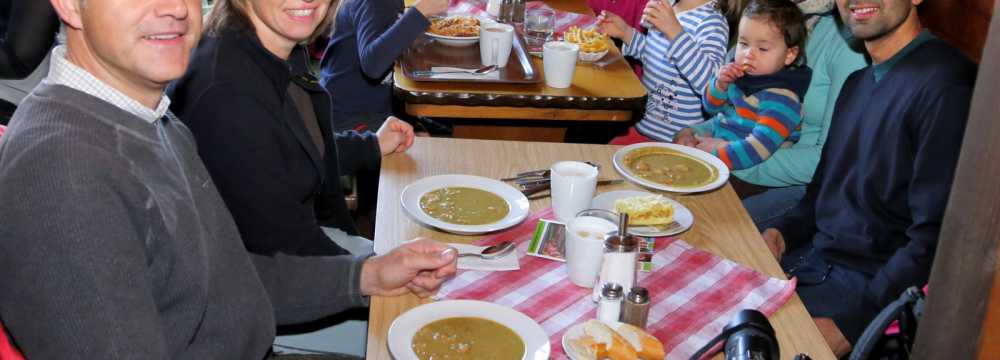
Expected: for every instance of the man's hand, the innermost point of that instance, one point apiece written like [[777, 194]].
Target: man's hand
[[727, 75], [394, 136], [708, 143], [431, 7], [831, 333], [686, 137], [660, 14], [614, 26], [418, 266], [775, 242]]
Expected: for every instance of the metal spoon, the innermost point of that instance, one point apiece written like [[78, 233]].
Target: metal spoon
[[492, 252]]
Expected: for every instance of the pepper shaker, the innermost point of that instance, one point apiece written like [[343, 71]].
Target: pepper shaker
[[610, 306], [506, 7], [635, 309], [517, 12]]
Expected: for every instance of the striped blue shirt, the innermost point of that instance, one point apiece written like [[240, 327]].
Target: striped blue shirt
[[676, 72]]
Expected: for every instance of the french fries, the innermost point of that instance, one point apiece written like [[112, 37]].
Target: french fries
[[589, 40]]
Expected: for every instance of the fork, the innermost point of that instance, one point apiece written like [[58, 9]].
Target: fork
[[539, 174]]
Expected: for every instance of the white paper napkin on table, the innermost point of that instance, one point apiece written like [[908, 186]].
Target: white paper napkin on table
[[505, 263], [493, 75]]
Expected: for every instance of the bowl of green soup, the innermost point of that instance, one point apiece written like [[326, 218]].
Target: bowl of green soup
[[466, 329]]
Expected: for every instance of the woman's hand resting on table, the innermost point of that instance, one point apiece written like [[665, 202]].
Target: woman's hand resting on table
[[394, 136], [419, 266]]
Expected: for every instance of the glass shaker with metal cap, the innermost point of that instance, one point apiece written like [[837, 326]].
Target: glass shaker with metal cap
[[621, 251], [610, 306]]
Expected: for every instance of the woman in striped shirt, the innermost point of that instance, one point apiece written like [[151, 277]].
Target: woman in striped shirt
[[685, 46]]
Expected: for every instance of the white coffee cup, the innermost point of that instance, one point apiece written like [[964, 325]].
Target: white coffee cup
[[585, 248], [572, 188], [495, 42], [559, 63]]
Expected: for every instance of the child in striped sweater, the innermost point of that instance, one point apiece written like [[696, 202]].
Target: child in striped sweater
[[685, 45], [756, 100]]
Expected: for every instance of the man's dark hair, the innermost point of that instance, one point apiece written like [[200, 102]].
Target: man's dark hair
[[786, 16]]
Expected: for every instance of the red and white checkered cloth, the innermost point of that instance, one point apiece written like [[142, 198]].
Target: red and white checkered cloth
[[564, 19], [694, 293]]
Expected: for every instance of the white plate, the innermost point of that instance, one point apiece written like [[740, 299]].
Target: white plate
[[682, 215], [454, 40], [401, 332], [591, 56], [575, 331], [619, 160], [516, 201]]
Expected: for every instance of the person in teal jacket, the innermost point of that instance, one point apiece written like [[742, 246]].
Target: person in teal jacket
[[785, 174]]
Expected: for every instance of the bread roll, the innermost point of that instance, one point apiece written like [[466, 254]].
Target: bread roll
[[601, 342], [647, 346]]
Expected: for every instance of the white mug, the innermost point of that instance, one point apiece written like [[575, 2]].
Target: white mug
[[572, 188], [495, 42], [559, 63], [585, 247]]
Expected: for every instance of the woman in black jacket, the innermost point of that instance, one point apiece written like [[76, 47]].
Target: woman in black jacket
[[263, 126]]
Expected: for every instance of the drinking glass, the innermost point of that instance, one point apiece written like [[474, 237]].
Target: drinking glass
[[538, 27]]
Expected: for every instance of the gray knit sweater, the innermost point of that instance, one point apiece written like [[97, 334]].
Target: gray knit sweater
[[114, 242]]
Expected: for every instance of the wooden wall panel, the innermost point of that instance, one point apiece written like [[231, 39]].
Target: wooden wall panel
[[963, 23], [961, 316]]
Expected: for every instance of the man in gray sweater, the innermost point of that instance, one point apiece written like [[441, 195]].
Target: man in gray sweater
[[114, 242]]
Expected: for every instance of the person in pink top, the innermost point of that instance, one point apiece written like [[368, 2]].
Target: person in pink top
[[628, 10]]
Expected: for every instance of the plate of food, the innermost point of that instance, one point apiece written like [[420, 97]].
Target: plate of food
[[670, 167], [455, 30], [464, 204], [593, 44], [593, 339], [650, 215], [466, 329]]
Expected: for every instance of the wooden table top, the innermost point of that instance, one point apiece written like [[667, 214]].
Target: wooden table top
[[615, 87], [721, 224]]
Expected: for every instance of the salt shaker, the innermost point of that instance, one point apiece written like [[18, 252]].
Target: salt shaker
[[635, 308], [610, 306]]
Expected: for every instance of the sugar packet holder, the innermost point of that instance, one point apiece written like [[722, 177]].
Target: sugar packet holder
[[549, 242]]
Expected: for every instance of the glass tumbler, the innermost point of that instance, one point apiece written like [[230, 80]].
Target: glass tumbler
[[538, 27]]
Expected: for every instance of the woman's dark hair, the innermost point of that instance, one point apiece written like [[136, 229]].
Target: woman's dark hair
[[784, 15]]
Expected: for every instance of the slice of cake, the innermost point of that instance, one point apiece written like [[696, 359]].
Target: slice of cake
[[646, 210]]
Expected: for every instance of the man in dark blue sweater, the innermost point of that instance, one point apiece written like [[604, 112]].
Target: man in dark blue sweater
[[368, 37], [869, 224]]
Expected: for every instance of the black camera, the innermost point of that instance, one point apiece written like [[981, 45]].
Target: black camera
[[749, 336]]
